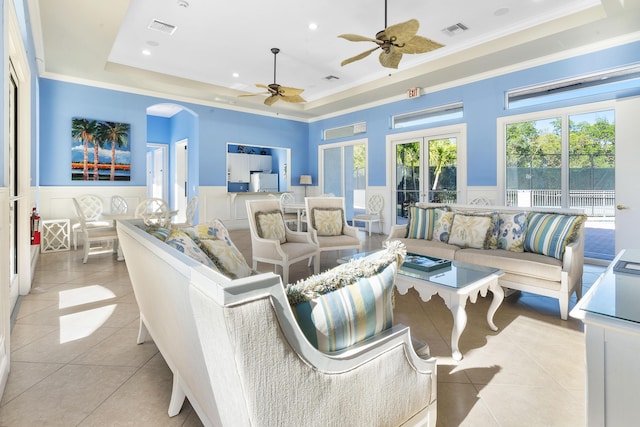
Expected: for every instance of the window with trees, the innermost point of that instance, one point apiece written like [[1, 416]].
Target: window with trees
[[562, 161]]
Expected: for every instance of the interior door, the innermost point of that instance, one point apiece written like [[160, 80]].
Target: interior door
[[627, 234], [180, 183], [14, 282]]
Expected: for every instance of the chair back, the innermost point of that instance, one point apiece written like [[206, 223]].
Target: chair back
[[375, 202], [119, 205], [286, 198], [192, 208], [153, 211], [81, 216], [89, 207]]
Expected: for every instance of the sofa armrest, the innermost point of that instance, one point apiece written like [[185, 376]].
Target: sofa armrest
[[573, 264], [398, 231]]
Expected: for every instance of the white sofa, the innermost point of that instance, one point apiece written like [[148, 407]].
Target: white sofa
[[237, 353], [525, 271]]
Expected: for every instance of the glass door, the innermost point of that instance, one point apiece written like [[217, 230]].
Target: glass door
[[426, 169], [349, 181], [14, 283]]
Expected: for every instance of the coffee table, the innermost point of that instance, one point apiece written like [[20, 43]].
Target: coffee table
[[455, 284]]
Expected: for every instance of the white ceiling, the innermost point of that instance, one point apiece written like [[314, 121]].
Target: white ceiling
[[101, 42]]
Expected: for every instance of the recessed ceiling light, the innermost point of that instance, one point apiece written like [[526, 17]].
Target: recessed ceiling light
[[153, 43], [183, 3], [236, 75], [313, 26], [501, 11], [146, 52]]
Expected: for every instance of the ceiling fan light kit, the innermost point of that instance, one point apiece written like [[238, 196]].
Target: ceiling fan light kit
[[394, 41], [277, 92]]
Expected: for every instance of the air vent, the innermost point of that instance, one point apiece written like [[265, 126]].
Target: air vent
[[455, 29], [163, 27], [330, 77], [345, 131]]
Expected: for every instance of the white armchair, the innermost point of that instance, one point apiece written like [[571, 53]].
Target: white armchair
[[277, 245], [328, 226]]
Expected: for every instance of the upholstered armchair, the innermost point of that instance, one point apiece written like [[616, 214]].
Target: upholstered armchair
[[327, 224], [272, 242]]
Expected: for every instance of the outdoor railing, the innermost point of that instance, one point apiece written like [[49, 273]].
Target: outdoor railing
[[593, 202]]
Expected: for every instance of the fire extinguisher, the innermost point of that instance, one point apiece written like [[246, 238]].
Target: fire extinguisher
[[35, 227]]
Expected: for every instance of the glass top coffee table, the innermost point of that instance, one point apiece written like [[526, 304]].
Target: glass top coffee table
[[456, 284]]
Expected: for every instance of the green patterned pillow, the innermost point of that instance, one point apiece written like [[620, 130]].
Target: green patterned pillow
[[160, 233], [349, 303], [182, 242], [470, 231], [270, 225], [442, 221], [420, 223], [327, 221], [513, 227], [549, 234]]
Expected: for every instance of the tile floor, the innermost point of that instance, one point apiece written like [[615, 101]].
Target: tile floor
[[75, 362]]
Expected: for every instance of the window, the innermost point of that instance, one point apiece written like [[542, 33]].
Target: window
[[345, 131], [432, 115]]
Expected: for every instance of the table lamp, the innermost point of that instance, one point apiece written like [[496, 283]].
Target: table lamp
[[305, 180]]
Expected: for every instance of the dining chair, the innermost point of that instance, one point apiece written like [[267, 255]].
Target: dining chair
[[154, 211], [373, 213], [119, 205], [106, 236], [190, 213], [272, 242], [88, 207], [290, 217], [327, 224]]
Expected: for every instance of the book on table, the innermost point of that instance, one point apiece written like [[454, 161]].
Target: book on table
[[424, 263]]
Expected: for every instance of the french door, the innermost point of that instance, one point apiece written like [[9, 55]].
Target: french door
[[344, 173], [14, 196], [427, 168]]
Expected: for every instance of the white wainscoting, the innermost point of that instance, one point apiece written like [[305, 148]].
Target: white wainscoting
[[5, 309], [57, 202], [475, 194]]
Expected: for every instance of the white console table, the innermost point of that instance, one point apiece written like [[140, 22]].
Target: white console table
[[610, 311]]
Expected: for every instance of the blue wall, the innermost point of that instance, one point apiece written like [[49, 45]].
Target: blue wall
[[484, 103], [212, 128]]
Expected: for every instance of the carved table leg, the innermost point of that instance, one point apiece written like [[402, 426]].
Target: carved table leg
[[498, 297], [459, 323]]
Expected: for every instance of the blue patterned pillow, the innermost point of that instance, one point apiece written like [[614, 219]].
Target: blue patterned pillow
[[513, 227], [420, 223], [549, 234], [339, 319], [182, 242]]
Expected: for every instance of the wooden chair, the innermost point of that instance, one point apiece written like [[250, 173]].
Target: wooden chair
[[119, 205], [298, 245], [190, 213], [335, 238], [90, 208], [373, 214], [106, 237], [154, 211], [289, 217]]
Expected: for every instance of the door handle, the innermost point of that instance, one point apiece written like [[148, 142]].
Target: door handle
[[622, 207]]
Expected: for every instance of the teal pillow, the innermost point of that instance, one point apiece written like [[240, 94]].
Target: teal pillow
[[549, 234], [420, 223]]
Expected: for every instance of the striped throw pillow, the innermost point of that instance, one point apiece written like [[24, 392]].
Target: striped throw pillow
[[549, 234], [420, 223], [341, 318]]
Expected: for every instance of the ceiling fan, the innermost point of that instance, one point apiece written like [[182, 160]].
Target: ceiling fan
[[394, 41], [276, 92]]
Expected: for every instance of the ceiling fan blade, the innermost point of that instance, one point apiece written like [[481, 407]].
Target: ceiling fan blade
[[358, 57], [262, 86], [390, 59], [419, 44], [403, 31], [357, 38], [271, 100], [253, 94], [290, 91], [293, 98]]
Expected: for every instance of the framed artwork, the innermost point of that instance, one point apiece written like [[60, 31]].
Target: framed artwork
[[100, 150]]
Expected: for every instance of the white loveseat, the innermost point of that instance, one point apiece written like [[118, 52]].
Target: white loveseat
[[238, 354], [556, 277]]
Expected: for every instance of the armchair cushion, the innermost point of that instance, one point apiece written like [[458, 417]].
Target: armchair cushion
[[327, 221], [270, 225], [349, 303]]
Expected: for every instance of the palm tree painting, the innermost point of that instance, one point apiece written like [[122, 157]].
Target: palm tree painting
[[110, 154]]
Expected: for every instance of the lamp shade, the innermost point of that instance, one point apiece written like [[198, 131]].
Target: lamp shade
[[305, 179]]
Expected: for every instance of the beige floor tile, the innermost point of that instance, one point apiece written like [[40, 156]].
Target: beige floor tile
[[459, 405], [120, 349], [22, 335], [24, 375], [64, 398]]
